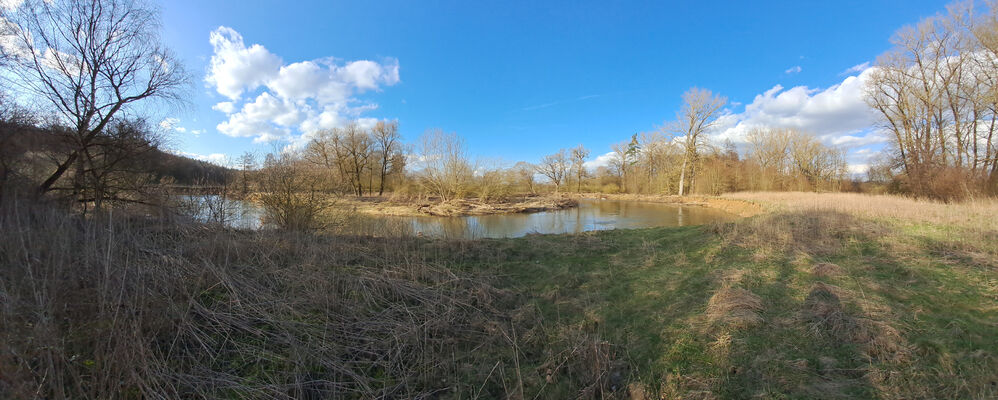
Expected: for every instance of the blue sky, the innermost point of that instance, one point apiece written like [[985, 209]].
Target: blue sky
[[521, 79]]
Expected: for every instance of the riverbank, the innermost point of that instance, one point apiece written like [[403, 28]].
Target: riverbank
[[398, 206]]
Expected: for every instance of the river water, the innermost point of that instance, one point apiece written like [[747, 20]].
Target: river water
[[590, 215]]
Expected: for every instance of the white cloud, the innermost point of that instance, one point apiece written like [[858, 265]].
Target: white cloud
[[828, 113], [600, 161], [234, 67], [837, 115], [226, 106], [173, 124], [214, 158], [796, 69], [857, 68], [300, 97], [169, 123]]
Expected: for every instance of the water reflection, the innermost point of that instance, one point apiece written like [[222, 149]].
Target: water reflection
[[590, 215]]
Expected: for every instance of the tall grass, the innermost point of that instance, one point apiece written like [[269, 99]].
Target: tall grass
[[120, 307], [974, 213]]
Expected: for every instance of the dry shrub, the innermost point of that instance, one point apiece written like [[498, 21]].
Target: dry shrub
[[826, 270], [588, 362], [734, 307], [112, 307]]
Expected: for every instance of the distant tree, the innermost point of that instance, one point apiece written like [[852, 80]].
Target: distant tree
[[579, 156], [525, 175], [247, 161], [698, 114], [555, 167], [446, 172], [387, 142], [89, 61]]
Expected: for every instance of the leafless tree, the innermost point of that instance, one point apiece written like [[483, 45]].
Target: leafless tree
[[89, 61], [579, 156], [555, 167], [698, 114], [387, 142], [446, 171], [935, 92], [524, 172]]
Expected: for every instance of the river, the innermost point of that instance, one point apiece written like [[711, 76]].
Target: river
[[590, 215]]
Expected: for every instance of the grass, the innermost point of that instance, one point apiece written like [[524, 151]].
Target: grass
[[837, 297]]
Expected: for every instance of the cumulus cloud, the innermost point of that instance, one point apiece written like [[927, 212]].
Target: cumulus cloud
[[173, 125], [830, 113], [602, 160], [857, 68], [837, 115], [295, 98], [226, 107], [796, 69], [236, 68]]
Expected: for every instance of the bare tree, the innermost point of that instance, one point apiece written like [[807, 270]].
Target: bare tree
[[387, 142], [353, 147], [524, 172], [555, 167], [935, 93], [247, 162], [89, 61], [446, 170], [697, 115], [579, 156]]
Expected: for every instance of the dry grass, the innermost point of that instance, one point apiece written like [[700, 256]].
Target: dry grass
[[979, 214], [823, 270], [114, 307], [734, 307]]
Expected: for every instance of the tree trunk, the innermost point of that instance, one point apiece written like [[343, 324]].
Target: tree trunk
[[682, 178]]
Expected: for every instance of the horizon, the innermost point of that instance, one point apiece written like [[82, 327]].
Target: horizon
[[523, 81]]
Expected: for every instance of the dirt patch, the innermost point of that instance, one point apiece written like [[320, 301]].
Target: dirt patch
[[734, 307]]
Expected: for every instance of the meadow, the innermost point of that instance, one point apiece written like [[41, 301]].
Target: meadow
[[819, 296]]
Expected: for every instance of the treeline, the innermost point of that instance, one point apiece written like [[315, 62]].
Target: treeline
[[936, 92]]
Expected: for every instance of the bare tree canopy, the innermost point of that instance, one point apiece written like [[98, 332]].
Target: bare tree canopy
[[935, 93], [88, 61], [697, 115], [555, 167]]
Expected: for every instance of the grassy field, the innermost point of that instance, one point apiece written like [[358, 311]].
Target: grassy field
[[825, 296], [821, 296]]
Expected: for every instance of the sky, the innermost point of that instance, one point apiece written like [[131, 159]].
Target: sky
[[521, 79]]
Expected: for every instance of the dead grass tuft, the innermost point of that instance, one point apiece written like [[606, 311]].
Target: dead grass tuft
[[825, 315], [823, 270], [734, 307]]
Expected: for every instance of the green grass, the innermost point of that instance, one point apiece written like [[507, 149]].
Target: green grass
[[646, 292]]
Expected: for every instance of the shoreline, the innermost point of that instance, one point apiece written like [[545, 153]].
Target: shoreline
[[386, 206]]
